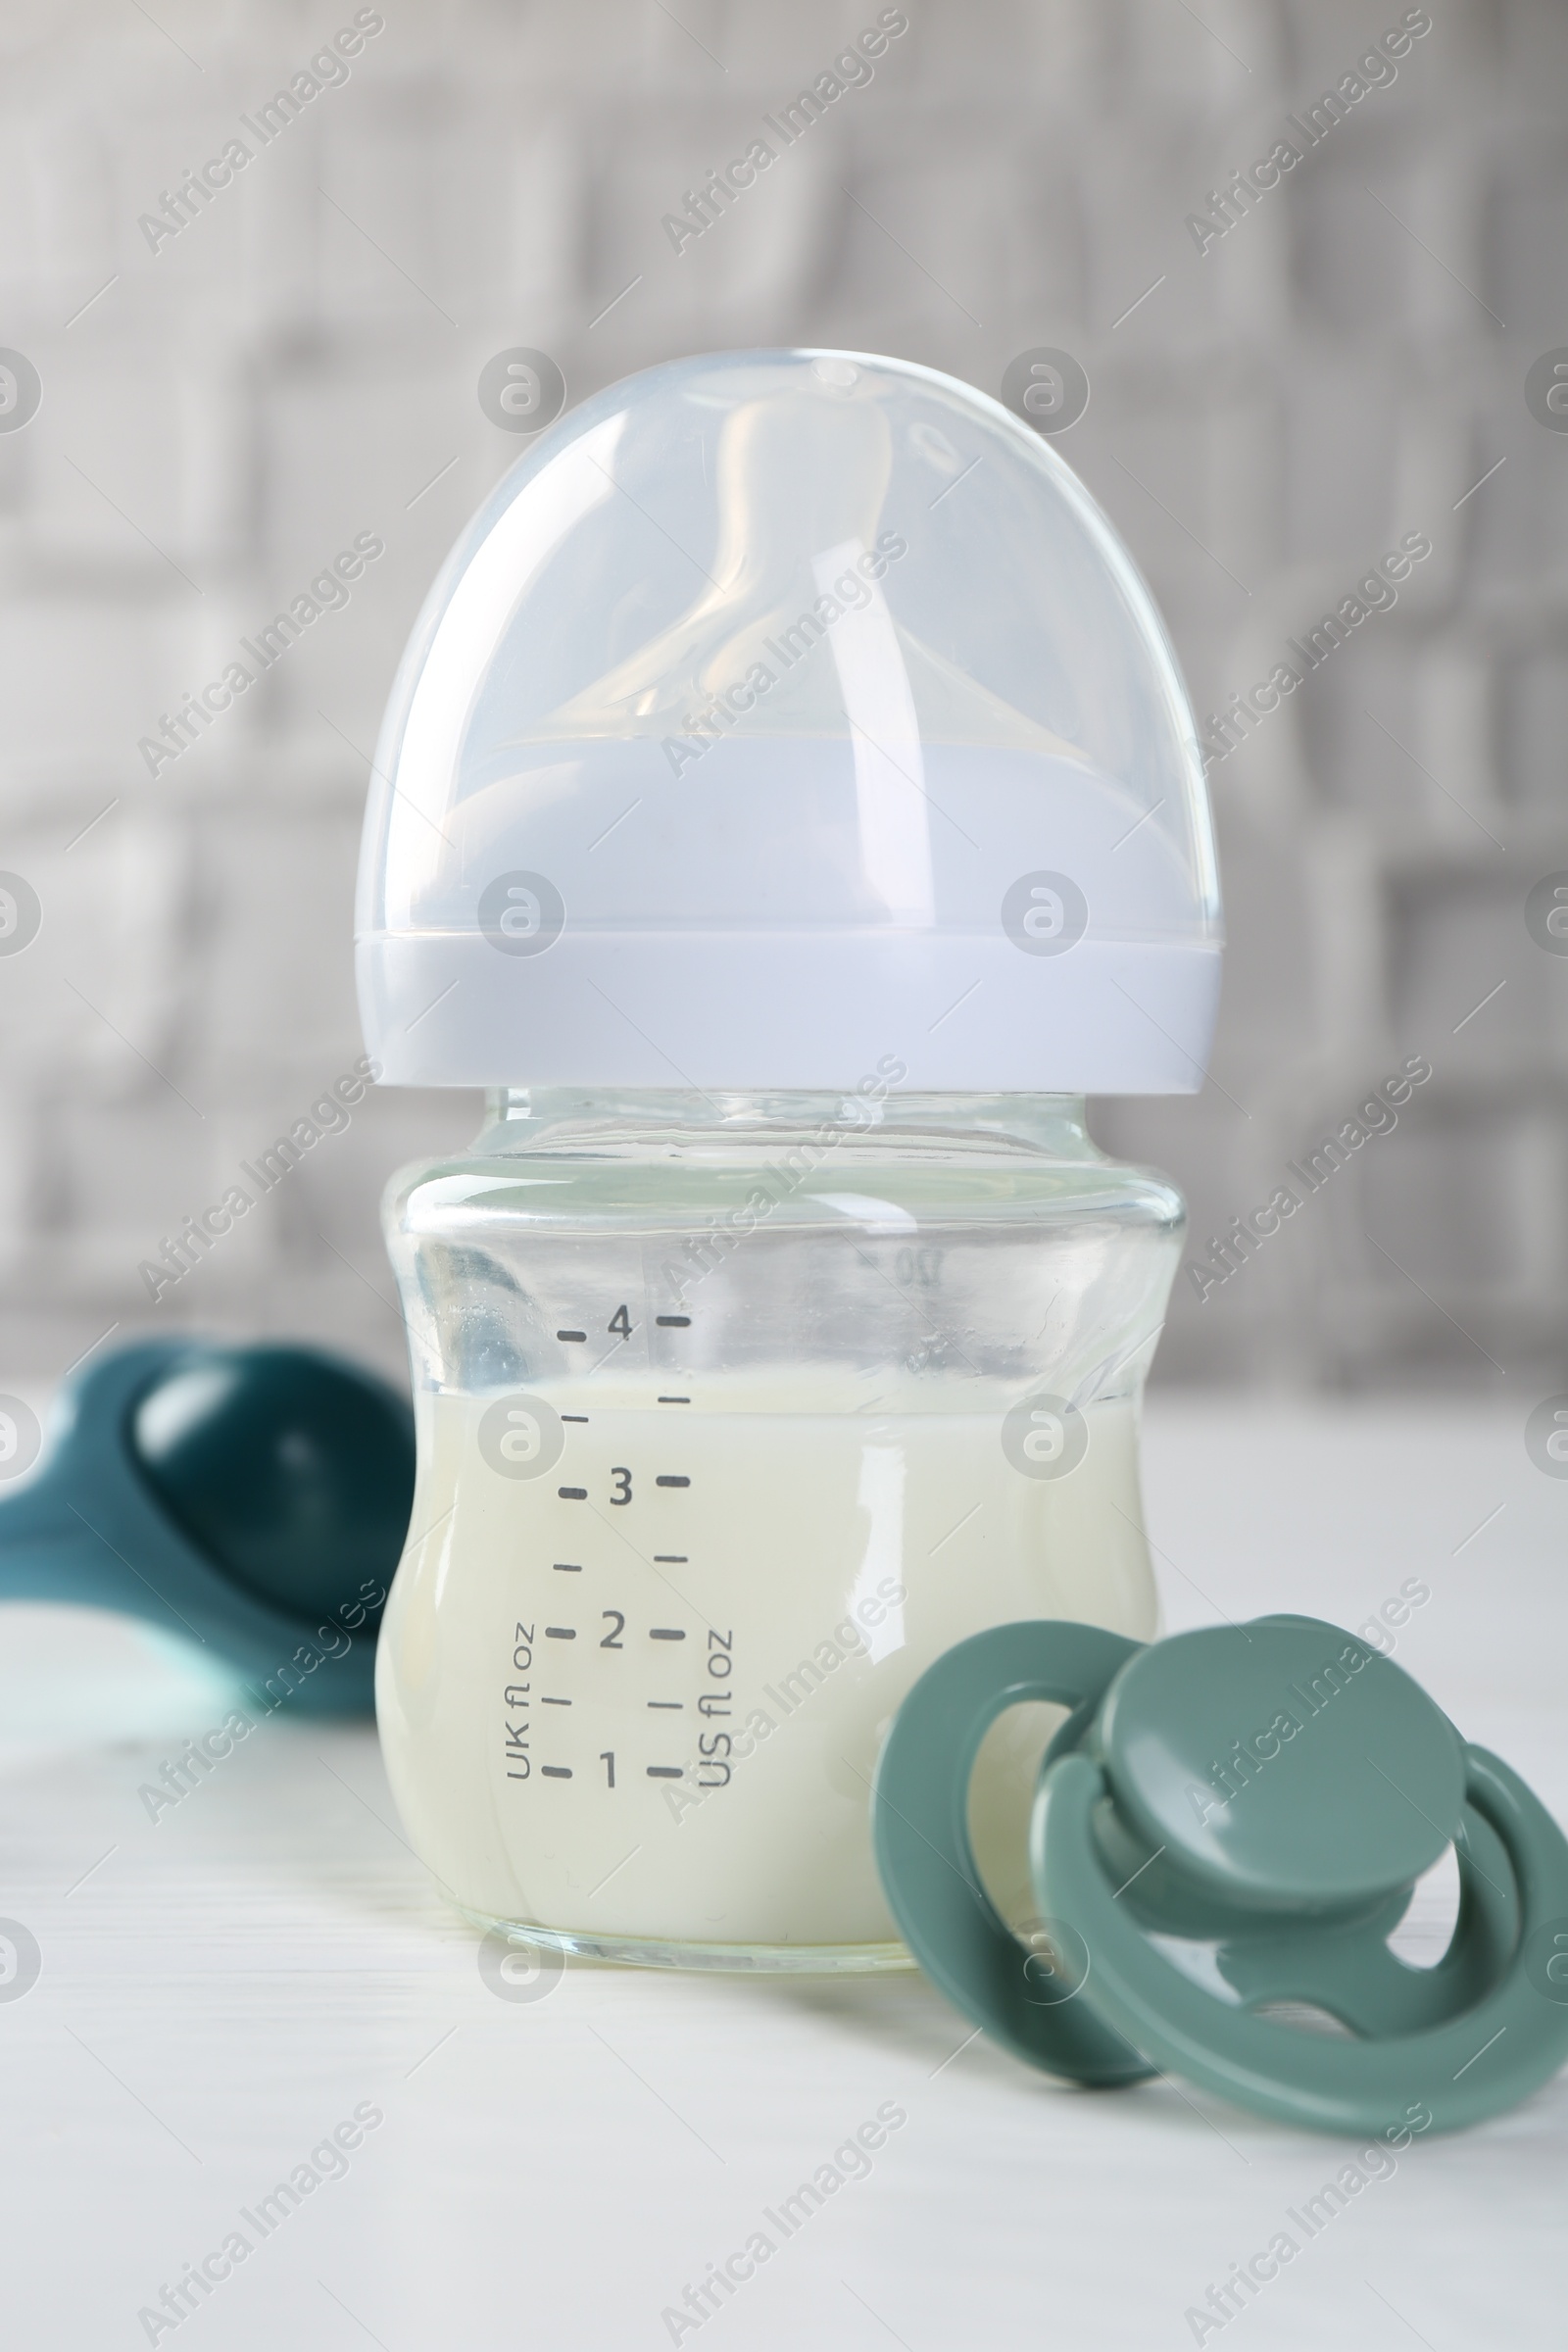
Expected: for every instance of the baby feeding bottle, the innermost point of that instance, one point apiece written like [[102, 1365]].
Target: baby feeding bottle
[[787, 811]]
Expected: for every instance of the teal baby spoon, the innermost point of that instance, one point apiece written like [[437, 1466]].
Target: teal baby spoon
[[254, 1497]]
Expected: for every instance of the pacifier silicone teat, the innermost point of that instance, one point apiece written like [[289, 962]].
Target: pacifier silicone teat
[[1253, 1803], [252, 1496]]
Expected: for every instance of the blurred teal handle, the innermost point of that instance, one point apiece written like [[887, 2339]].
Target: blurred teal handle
[[254, 1499]]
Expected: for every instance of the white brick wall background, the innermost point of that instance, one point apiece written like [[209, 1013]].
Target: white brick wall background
[[218, 417]]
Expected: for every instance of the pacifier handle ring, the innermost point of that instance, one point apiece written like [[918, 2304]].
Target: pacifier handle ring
[[1455, 2073], [1353, 1974], [920, 1832]]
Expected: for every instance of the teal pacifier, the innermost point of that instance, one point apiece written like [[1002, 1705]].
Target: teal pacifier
[[254, 1498], [1230, 1821]]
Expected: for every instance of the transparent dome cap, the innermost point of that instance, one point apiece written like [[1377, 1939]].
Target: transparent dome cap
[[780, 715]]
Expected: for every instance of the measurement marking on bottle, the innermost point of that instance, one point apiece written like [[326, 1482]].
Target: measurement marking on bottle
[[662, 1772], [666, 1633], [572, 1493], [669, 1480], [554, 1703], [568, 1567], [673, 1322], [675, 1400], [678, 1704], [561, 1632], [582, 1417], [571, 1335], [670, 1560], [556, 1772]]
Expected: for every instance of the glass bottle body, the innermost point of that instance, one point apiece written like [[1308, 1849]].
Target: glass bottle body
[[733, 1413]]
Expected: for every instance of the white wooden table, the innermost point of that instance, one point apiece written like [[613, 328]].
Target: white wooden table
[[222, 1987]]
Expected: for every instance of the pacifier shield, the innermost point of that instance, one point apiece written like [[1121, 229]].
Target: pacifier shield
[[1284, 1764]]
